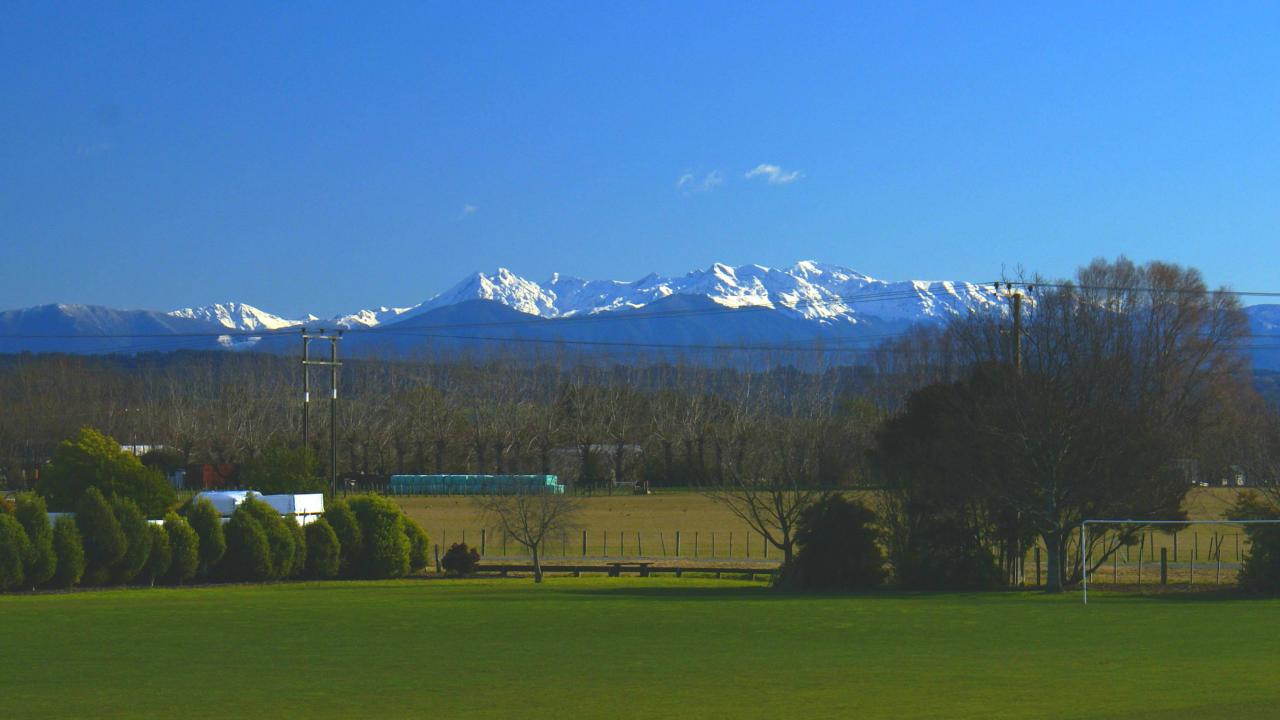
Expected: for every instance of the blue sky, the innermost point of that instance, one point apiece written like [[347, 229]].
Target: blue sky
[[326, 158]]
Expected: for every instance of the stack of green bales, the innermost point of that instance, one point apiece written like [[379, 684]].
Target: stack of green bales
[[474, 484]]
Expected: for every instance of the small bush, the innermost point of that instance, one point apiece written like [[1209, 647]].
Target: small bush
[[161, 557], [207, 523], [69, 547], [137, 540], [385, 553], [33, 516], [184, 549], [15, 549], [942, 553], [460, 560], [1260, 572], [838, 548], [248, 554], [419, 545], [104, 540], [323, 551], [350, 541]]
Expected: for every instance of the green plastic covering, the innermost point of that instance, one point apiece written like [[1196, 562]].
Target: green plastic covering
[[474, 484]]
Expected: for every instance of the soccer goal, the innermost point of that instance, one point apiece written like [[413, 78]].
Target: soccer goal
[[1147, 553]]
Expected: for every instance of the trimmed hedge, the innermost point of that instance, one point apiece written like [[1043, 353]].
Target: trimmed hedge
[[323, 551], [69, 548], [34, 517]]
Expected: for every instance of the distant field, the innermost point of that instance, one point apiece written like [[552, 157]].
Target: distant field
[[628, 648], [657, 517]]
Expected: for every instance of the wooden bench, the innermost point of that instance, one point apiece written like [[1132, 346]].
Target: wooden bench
[[617, 568]]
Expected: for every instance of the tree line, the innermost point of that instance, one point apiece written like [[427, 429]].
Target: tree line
[[1118, 386]]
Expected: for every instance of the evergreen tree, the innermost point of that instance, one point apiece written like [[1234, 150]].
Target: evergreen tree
[[207, 523], [69, 547], [350, 541], [161, 557], [323, 551], [419, 545], [248, 552], [15, 549], [279, 537], [34, 517], [104, 540], [184, 549], [299, 564], [137, 540], [92, 459], [386, 547]]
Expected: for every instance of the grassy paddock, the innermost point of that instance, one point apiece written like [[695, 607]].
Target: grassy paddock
[[628, 648], [656, 518]]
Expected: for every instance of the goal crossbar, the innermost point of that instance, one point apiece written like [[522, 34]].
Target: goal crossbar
[[1084, 537]]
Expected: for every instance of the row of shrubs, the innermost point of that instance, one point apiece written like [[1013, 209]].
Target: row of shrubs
[[110, 542]]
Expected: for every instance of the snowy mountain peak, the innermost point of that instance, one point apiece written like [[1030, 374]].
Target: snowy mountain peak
[[236, 316], [809, 290]]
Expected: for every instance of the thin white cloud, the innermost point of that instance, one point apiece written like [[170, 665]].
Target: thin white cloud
[[469, 209], [691, 184], [774, 174]]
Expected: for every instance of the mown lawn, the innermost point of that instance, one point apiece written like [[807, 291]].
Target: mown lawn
[[630, 647]]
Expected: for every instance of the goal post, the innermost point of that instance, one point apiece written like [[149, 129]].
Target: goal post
[[1092, 526]]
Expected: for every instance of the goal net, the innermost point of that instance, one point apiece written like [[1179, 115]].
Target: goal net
[[1163, 555]]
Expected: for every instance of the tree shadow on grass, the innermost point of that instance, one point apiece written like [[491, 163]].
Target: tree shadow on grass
[[760, 593]]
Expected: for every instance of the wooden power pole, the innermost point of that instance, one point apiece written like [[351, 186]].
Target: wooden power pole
[[333, 364]]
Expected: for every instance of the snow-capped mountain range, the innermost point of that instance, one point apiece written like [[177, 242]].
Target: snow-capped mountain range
[[693, 316], [825, 294]]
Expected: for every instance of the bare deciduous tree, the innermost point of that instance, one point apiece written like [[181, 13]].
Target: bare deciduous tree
[[531, 519]]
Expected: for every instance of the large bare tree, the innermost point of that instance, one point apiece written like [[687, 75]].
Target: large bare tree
[[531, 519]]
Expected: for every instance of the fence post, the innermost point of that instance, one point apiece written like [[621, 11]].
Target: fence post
[[639, 548], [1175, 547], [677, 543], [764, 543], [1193, 570], [437, 558], [713, 544], [604, 535], [483, 537], [730, 543], [695, 544], [584, 543], [1037, 566], [1164, 566], [1115, 567]]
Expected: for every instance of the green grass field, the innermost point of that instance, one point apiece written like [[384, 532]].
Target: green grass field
[[629, 647]]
